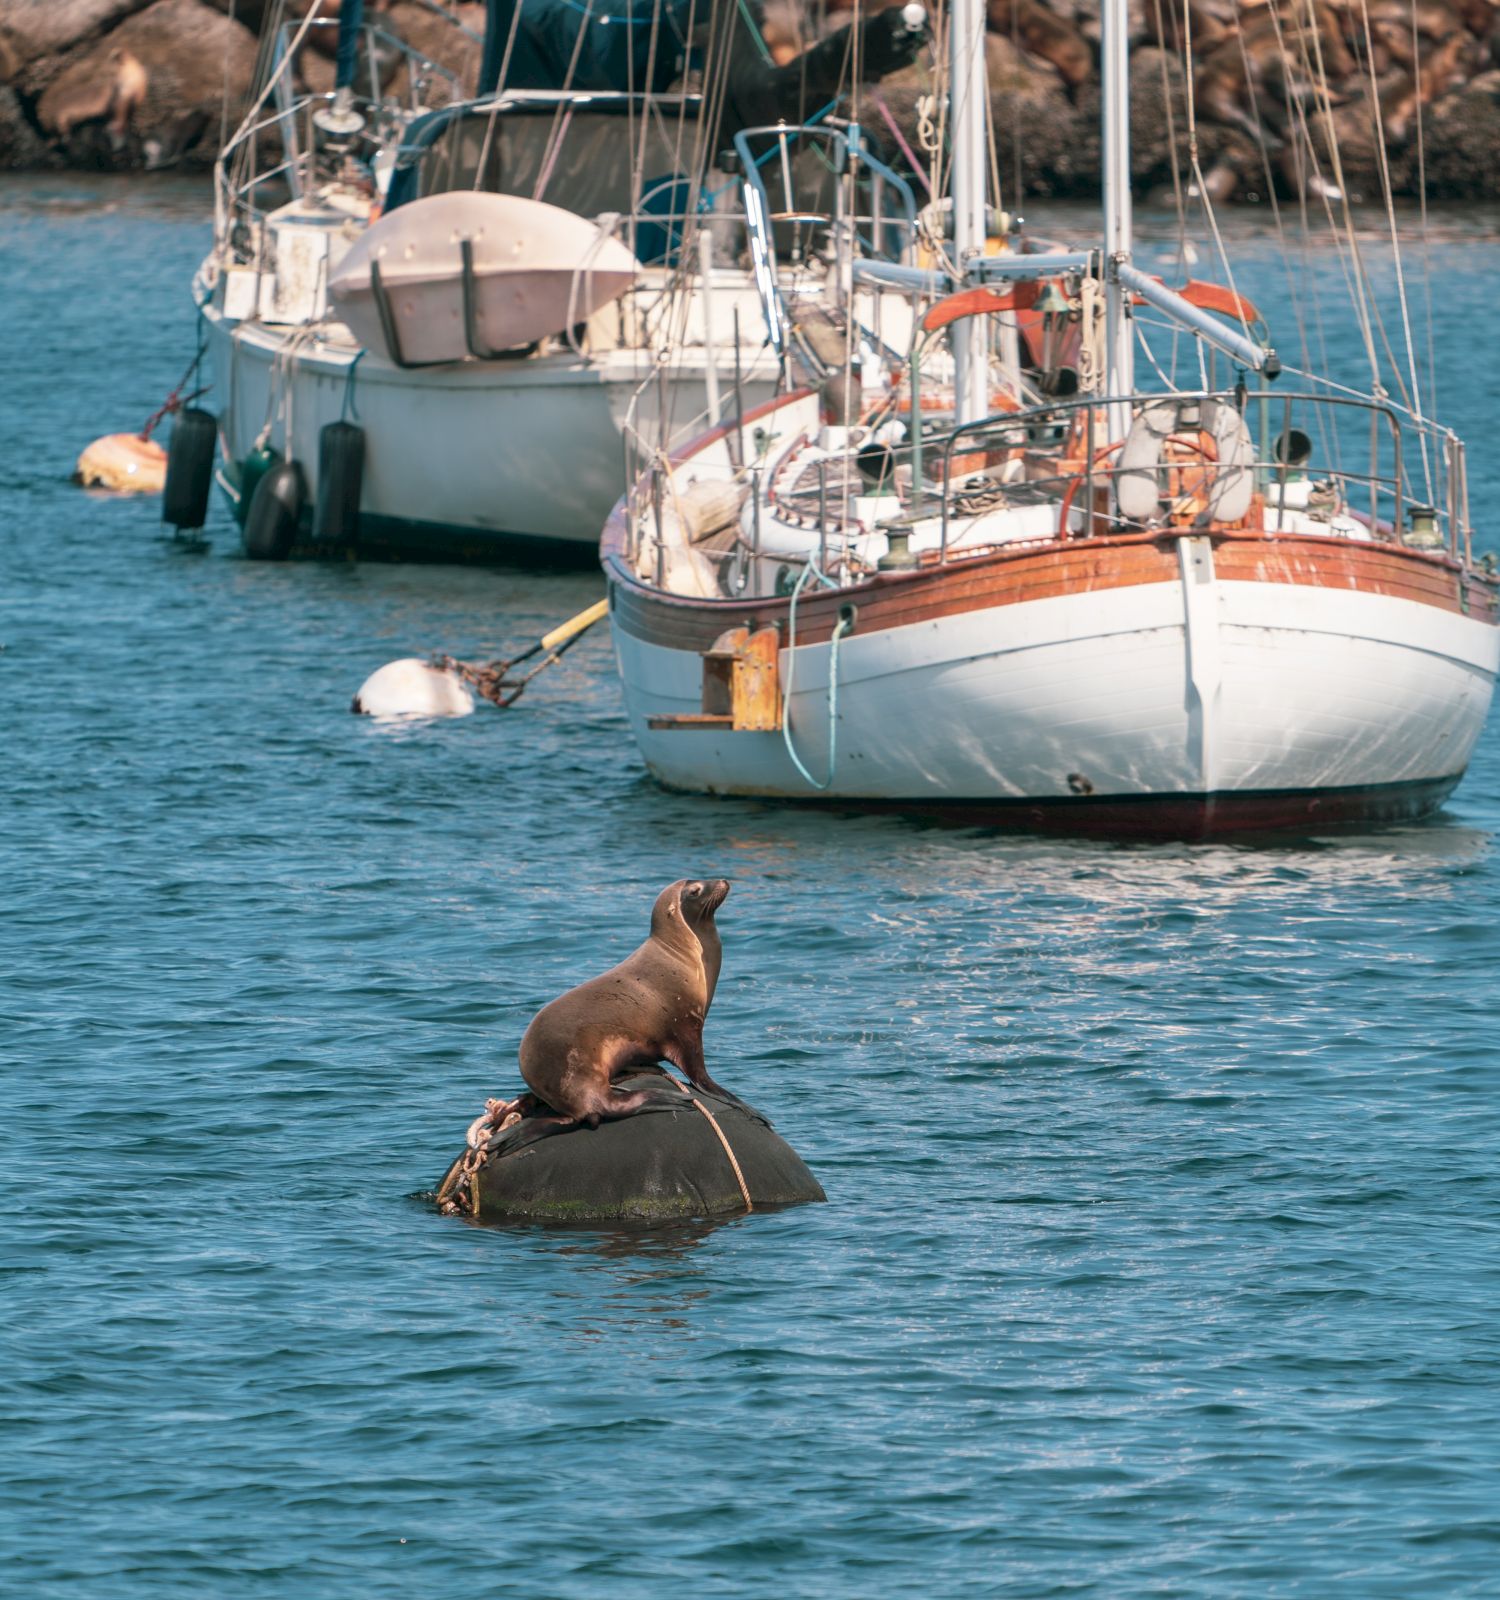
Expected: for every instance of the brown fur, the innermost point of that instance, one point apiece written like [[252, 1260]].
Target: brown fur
[[648, 1009]]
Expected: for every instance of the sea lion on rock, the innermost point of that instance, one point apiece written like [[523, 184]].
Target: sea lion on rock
[[648, 1009], [117, 97]]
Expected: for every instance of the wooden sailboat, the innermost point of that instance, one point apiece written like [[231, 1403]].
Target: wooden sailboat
[[1138, 613]]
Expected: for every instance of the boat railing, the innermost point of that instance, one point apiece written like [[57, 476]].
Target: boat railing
[[1364, 472], [844, 165], [291, 113]]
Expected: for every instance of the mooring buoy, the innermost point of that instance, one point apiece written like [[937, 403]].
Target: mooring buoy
[[687, 1153], [413, 688], [123, 462]]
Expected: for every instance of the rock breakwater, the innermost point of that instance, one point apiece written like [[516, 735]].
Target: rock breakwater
[[1269, 95]]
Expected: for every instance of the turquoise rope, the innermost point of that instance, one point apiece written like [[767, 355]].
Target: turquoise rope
[[839, 631], [349, 404]]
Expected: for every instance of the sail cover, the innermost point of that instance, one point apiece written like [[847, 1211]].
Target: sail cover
[[636, 46], [643, 46]]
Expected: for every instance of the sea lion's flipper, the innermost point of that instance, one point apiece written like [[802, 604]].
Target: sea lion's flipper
[[618, 1104], [688, 1055]]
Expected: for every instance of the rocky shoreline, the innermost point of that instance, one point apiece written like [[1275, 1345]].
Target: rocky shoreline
[[1303, 94]]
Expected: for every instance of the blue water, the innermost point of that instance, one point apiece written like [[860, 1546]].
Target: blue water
[[1161, 1248]]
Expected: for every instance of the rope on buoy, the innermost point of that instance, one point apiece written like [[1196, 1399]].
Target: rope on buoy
[[713, 1122], [458, 1193], [176, 400], [133, 463]]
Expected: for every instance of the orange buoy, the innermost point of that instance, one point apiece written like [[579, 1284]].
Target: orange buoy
[[124, 462]]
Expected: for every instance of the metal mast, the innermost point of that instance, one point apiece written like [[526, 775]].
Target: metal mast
[[1115, 71], [969, 99]]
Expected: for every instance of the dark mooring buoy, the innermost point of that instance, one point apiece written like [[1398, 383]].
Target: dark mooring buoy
[[685, 1154]]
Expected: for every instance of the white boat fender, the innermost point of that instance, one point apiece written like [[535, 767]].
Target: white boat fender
[[1228, 480], [341, 472], [275, 512], [190, 469], [412, 688]]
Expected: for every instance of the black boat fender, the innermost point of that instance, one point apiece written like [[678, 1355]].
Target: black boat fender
[[276, 510], [341, 470], [252, 469], [190, 469]]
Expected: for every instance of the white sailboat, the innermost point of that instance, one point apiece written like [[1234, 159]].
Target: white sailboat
[[1186, 611], [501, 410]]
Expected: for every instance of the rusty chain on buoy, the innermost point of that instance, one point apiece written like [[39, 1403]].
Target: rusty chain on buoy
[[457, 1194], [175, 401], [488, 678]]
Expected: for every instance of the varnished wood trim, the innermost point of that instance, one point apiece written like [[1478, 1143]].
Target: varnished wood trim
[[1013, 577]]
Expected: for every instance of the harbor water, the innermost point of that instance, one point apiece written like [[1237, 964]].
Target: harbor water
[[1161, 1249]]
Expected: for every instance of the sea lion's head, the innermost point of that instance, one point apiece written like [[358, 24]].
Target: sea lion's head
[[701, 897], [684, 916], [688, 904]]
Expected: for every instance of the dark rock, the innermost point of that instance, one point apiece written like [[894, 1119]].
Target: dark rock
[[1462, 133], [20, 144]]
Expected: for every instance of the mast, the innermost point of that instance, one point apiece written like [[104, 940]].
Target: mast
[[1119, 366], [970, 102]]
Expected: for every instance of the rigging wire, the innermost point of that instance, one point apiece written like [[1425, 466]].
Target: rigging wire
[[1197, 170], [1327, 439], [1432, 390], [1390, 211]]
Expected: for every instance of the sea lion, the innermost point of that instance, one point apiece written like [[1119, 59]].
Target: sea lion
[[117, 98], [648, 1009]]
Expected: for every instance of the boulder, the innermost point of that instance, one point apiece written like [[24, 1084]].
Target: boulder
[[1462, 135], [441, 43]]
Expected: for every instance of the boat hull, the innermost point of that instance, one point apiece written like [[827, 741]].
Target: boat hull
[[474, 461], [1171, 686]]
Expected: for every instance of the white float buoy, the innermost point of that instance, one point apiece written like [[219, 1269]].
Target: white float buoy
[[413, 688]]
